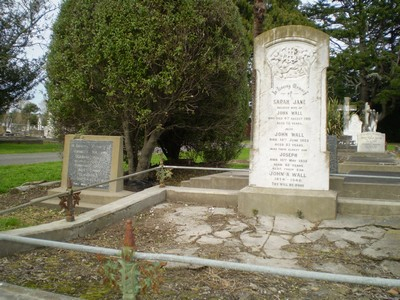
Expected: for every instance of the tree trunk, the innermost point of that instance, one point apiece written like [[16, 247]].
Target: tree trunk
[[258, 15], [128, 146], [147, 151], [170, 143], [364, 90], [258, 28]]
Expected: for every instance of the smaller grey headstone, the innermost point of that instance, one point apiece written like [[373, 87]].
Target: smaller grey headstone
[[90, 162], [333, 159], [346, 142], [371, 142]]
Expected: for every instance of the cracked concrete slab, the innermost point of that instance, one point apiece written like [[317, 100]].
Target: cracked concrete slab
[[223, 234], [260, 239], [290, 224], [253, 240], [387, 247], [272, 262], [391, 266], [335, 268], [346, 221]]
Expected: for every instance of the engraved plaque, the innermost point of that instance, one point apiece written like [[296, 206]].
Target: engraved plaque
[[90, 162]]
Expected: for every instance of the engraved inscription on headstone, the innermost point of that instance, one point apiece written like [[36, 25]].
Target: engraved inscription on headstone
[[371, 142], [90, 162], [289, 135]]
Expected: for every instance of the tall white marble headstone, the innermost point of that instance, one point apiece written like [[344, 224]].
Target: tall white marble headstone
[[289, 117]]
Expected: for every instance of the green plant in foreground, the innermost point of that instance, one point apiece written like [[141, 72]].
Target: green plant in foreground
[[133, 277]]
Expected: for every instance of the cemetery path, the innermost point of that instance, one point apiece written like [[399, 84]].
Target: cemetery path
[[28, 158]]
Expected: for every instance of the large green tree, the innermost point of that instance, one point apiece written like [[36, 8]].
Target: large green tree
[[284, 12], [20, 28], [141, 68], [365, 39], [213, 133], [29, 112]]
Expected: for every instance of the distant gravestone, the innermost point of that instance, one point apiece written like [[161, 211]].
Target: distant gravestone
[[371, 117], [91, 159], [351, 124], [346, 108], [371, 142], [354, 128], [347, 143], [289, 163], [333, 156]]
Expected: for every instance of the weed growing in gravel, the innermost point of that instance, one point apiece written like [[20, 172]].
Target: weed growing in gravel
[[132, 276]]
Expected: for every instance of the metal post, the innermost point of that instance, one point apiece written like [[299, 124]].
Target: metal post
[[69, 201], [70, 206]]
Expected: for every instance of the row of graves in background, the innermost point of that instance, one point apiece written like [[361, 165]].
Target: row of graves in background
[[9, 128], [360, 136]]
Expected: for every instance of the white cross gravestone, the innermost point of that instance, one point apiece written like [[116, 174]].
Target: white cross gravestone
[[289, 165], [346, 109], [352, 124]]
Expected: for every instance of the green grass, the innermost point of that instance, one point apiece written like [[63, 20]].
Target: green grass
[[237, 166], [391, 147], [10, 223], [15, 175], [244, 154], [6, 148]]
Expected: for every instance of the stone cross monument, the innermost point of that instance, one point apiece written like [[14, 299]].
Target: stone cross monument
[[289, 165]]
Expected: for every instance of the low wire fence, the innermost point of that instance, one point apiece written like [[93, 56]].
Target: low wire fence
[[71, 190], [312, 275], [373, 281]]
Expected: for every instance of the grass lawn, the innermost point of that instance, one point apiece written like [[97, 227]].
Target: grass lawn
[[16, 175], [6, 148]]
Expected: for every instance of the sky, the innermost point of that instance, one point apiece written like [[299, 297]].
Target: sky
[[39, 93]]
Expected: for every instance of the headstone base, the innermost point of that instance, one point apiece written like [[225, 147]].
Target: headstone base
[[99, 197], [310, 204]]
